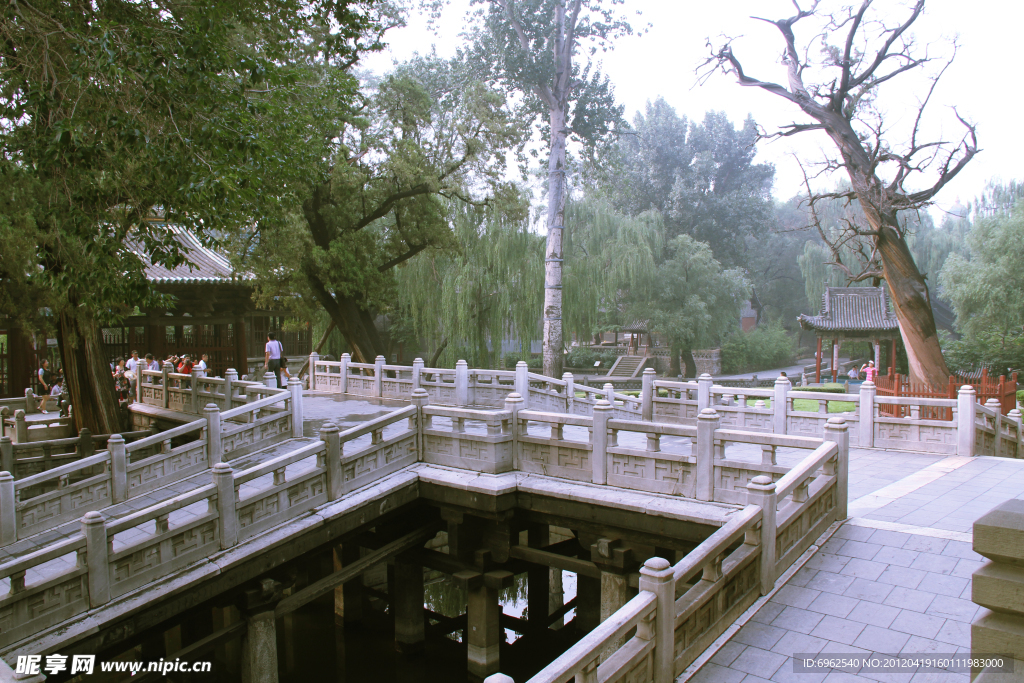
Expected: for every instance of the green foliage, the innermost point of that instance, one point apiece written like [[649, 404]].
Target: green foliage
[[984, 288], [764, 348], [114, 113], [581, 357], [824, 388]]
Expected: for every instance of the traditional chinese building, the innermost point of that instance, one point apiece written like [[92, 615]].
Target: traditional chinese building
[[213, 313], [856, 314]]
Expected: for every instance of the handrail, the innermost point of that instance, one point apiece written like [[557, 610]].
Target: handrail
[[374, 424], [803, 469], [255, 405], [588, 648], [269, 466], [115, 526], [101, 458], [556, 418], [716, 543], [652, 427], [824, 396], [160, 437]]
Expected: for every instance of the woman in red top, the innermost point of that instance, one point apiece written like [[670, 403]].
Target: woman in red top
[[869, 370]]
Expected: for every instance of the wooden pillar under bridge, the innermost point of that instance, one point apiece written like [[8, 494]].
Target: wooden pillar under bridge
[[817, 363]]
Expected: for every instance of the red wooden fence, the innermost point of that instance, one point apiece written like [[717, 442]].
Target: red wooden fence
[[1003, 390]]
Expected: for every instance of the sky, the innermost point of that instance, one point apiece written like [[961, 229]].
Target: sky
[[662, 62]]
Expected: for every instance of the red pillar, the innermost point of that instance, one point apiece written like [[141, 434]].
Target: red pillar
[[817, 364]]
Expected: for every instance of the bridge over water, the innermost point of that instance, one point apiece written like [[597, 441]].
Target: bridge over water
[[676, 510]]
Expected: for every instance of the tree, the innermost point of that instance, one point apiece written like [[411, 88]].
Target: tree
[[113, 112], [532, 47], [700, 176], [871, 51], [482, 292], [430, 136], [984, 286]]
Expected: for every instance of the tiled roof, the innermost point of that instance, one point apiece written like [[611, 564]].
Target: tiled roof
[[207, 266], [852, 309], [635, 327]]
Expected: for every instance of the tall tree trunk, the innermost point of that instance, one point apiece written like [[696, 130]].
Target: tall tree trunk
[[553, 253], [912, 301], [673, 369], [355, 323], [691, 365], [87, 373]]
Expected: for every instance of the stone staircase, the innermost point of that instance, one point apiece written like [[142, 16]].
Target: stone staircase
[[626, 366]]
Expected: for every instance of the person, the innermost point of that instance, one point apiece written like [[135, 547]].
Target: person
[[853, 373], [202, 366], [272, 354], [57, 392], [132, 364], [185, 366], [152, 363], [121, 383], [869, 370], [45, 384]]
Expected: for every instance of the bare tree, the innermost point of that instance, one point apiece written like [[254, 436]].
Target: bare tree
[[872, 52]]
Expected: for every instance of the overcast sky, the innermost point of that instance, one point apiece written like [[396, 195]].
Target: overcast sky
[[662, 63]]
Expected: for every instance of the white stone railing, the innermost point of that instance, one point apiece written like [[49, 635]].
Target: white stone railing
[[116, 556], [62, 494], [26, 459], [997, 434]]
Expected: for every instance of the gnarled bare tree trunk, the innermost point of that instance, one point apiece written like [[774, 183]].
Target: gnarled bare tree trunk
[[88, 376]]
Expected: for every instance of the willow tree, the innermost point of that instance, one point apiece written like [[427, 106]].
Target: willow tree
[[430, 136], [534, 48], [467, 300], [863, 50], [114, 111]]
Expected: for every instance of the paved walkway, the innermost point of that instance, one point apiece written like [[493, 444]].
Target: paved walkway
[[895, 578]]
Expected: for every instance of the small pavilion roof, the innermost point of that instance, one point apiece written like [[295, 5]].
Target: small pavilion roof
[[852, 309], [207, 266], [636, 327]]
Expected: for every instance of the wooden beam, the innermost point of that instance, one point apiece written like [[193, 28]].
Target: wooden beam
[[329, 583], [210, 641]]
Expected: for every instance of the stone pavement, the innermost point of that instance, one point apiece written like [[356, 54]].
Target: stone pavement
[[894, 578]]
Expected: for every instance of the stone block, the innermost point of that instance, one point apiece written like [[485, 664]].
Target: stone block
[[999, 534], [999, 587], [994, 633]]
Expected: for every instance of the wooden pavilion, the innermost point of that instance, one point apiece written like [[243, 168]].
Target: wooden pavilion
[[213, 313], [860, 314]]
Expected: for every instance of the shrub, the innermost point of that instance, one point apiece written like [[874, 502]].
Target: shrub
[[534, 363], [580, 357], [511, 359], [1020, 396], [767, 347], [825, 388]]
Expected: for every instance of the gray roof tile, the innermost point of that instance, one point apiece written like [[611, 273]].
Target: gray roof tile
[[852, 309]]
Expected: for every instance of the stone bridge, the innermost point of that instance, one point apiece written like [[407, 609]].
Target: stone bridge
[[709, 497]]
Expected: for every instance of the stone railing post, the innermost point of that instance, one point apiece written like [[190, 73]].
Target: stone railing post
[[330, 435], [139, 378], [837, 430], [6, 454], [118, 468], [314, 358], [295, 387], [230, 377], [378, 376], [461, 384], [570, 392], [227, 514], [499, 678], [194, 386], [8, 513], [780, 405], [704, 384], [165, 381], [866, 415], [609, 393], [30, 401], [270, 379], [523, 382], [214, 442], [761, 492], [345, 360], [97, 548], [647, 395], [420, 398], [656, 577], [996, 587], [599, 440], [704, 478], [965, 421], [20, 427], [514, 403], [417, 370]]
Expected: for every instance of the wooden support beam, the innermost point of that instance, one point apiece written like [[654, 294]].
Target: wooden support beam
[[549, 559], [329, 583], [209, 642]]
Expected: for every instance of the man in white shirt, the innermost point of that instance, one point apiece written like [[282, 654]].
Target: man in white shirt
[[272, 356], [202, 366], [133, 363]]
